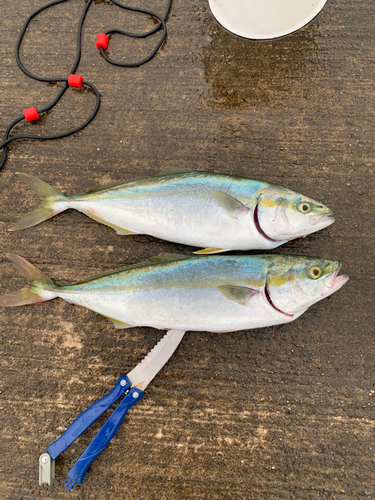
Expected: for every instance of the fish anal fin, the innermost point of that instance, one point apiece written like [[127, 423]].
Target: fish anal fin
[[232, 207], [125, 232], [207, 251], [240, 294], [120, 325], [118, 229]]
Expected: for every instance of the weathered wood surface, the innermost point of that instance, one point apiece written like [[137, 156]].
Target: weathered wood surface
[[279, 413]]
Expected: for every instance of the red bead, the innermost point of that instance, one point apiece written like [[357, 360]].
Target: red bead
[[30, 114], [102, 41], [75, 80]]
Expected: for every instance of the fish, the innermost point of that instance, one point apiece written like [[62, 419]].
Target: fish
[[213, 211], [218, 293]]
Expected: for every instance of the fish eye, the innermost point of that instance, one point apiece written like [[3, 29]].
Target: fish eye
[[315, 272], [304, 207]]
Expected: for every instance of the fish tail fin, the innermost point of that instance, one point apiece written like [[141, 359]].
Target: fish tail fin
[[29, 294], [22, 297], [48, 207]]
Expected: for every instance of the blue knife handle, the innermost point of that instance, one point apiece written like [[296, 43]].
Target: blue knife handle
[[102, 439], [86, 418]]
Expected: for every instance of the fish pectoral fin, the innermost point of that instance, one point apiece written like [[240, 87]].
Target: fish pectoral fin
[[240, 294], [120, 325], [173, 170], [206, 251], [118, 229], [232, 207]]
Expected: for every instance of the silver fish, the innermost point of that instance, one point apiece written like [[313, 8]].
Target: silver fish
[[218, 212], [212, 293]]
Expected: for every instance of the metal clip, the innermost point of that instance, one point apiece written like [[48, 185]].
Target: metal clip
[[46, 469]]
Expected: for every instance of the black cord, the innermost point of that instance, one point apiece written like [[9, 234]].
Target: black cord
[[161, 25], [139, 35]]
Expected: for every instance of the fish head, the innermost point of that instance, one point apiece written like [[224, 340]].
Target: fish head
[[283, 214], [295, 283]]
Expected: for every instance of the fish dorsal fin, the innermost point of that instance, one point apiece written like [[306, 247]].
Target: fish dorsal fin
[[157, 259], [240, 294], [173, 170], [106, 186], [114, 271], [164, 171], [232, 207], [168, 257], [116, 184]]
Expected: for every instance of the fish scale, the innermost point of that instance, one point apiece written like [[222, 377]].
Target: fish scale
[[216, 211], [205, 293]]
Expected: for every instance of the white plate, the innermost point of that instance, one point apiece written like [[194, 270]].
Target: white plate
[[262, 19]]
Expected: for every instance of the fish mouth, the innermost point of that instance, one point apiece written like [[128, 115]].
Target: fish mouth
[[257, 225], [269, 300], [321, 221], [334, 282]]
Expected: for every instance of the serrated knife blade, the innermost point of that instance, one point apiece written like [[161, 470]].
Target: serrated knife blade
[[146, 370]]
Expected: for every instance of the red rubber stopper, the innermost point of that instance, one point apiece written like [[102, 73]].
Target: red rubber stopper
[[102, 41], [30, 114], [75, 80]]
